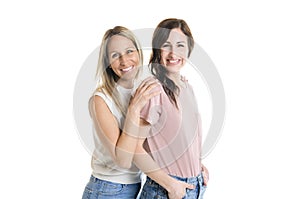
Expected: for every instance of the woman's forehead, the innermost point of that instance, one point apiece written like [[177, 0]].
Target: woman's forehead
[[119, 43], [177, 35]]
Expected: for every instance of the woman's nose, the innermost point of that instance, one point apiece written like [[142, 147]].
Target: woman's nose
[[123, 59]]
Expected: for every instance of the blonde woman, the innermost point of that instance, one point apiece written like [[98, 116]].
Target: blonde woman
[[115, 113]]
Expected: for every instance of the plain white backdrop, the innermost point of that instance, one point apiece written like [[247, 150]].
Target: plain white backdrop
[[255, 46]]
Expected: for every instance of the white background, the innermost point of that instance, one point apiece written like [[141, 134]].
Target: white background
[[254, 44]]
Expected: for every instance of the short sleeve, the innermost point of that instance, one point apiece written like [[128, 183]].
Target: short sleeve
[[152, 110]]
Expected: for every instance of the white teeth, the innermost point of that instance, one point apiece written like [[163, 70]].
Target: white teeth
[[173, 61], [126, 69]]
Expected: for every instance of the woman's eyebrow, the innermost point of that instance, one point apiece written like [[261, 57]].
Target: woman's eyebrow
[[176, 42], [114, 51], [111, 52]]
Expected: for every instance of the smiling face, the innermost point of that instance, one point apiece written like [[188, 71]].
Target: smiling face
[[123, 57], [174, 51]]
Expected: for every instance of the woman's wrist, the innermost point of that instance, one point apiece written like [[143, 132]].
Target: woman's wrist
[[133, 111], [169, 183]]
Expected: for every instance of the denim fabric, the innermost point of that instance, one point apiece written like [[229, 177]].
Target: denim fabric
[[101, 189], [153, 190]]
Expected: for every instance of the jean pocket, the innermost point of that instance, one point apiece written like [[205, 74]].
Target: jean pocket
[[150, 194], [87, 193], [110, 188], [152, 190]]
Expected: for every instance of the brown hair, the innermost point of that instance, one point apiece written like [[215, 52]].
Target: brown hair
[[160, 36]]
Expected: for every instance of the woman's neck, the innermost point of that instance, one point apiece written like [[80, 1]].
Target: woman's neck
[[176, 78], [126, 83]]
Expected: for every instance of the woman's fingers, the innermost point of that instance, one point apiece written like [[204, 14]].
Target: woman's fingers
[[179, 190], [145, 84], [190, 186], [151, 87], [205, 179], [143, 97], [205, 174], [147, 89]]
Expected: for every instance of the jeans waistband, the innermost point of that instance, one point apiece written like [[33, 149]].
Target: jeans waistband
[[191, 180], [94, 179]]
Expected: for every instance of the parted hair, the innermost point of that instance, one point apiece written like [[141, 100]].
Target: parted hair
[[106, 77], [160, 36]]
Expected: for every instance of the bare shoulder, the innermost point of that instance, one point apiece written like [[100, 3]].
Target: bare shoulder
[[97, 103]]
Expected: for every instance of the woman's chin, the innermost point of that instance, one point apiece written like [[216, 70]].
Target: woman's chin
[[129, 75]]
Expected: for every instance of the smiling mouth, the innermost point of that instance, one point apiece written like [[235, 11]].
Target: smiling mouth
[[126, 69], [173, 61]]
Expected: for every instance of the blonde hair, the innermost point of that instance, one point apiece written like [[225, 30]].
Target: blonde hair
[[106, 78]]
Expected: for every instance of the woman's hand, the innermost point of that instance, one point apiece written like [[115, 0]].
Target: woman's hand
[[146, 90], [177, 189], [205, 174]]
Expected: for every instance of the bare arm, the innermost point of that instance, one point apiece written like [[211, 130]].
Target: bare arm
[[121, 145], [176, 189]]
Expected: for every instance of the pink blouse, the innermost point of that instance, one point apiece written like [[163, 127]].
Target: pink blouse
[[175, 137]]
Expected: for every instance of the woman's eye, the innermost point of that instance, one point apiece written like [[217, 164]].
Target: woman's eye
[[181, 45], [166, 45], [115, 55], [129, 51]]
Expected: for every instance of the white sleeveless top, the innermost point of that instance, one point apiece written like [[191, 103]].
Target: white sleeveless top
[[102, 163]]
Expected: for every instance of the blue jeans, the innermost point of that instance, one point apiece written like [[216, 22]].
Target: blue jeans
[[102, 189], [153, 190]]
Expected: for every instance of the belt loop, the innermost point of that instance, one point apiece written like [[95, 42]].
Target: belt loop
[[94, 179], [200, 179]]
